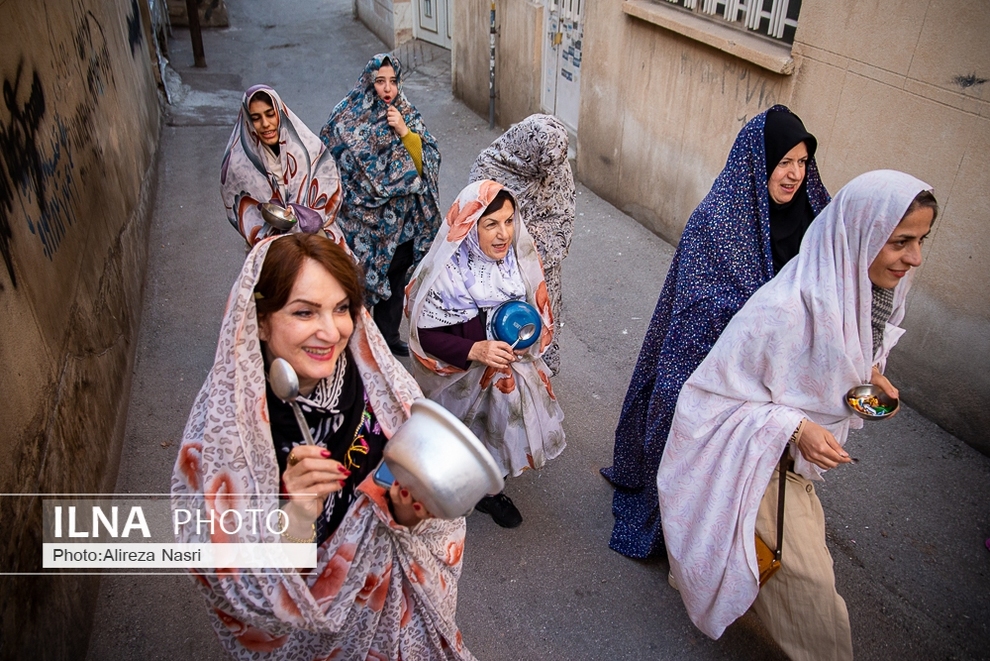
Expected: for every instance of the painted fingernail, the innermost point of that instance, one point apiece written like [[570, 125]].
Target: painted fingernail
[[342, 483], [325, 454], [344, 471], [405, 494], [417, 506]]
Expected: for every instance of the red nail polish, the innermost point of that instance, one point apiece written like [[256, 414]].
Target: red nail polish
[[325, 454], [345, 471], [417, 506], [342, 483], [405, 494]]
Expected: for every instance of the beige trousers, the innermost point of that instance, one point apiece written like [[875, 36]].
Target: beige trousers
[[799, 604]]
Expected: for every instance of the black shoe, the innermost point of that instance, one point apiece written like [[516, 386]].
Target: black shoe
[[399, 348], [503, 512]]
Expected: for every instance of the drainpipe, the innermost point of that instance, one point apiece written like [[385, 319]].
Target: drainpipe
[[491, 69]]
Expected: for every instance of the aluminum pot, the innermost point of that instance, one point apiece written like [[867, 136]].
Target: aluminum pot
[[441, 462]]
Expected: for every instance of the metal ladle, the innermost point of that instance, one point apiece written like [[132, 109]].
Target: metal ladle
[[285, 385], [525, 333]]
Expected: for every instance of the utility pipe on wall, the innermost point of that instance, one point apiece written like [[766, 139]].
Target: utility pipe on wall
[[491, 69]]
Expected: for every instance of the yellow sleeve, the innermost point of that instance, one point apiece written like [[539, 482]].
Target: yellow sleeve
[[414, 145]]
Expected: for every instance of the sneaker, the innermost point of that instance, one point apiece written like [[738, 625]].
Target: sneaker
[[503, 512]]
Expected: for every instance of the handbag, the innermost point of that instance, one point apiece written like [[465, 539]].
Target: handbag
[[767, 560]]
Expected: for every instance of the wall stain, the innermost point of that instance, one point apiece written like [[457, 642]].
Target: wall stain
[[968, 81]]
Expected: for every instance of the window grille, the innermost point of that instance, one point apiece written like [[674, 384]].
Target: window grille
[[776, 19]]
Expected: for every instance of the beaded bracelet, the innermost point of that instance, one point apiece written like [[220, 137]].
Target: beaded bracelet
[[797, 432]]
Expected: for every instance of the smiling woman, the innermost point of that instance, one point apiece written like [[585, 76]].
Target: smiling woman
[[299, 298], [771, 394]]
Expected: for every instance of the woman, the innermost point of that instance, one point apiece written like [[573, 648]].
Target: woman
[[775, 382], [390, 165], [385, 578], [530, 159], [273, 157], [747, 227], [482, 257]]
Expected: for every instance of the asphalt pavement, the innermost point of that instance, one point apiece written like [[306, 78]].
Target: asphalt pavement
[[906, 525]]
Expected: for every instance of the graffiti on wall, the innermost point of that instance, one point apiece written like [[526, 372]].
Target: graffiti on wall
[[41, 144], [733, 79], [135, 35]]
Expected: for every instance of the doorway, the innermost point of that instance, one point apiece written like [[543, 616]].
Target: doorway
[[432, 22]]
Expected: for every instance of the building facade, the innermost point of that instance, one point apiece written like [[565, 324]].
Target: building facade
[[664, 88]]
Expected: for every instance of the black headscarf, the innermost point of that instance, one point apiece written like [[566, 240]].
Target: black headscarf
[[788, 222]]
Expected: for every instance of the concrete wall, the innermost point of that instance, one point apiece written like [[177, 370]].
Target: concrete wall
[[899, 85], [518, 53], [390, 20], [79, 126], [917, 100]]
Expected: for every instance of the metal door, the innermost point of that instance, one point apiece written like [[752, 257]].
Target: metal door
[[433, 21], [564, 28]]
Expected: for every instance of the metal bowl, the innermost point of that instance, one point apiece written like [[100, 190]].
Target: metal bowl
[[509, 318], [441, 462], [279, 217], [871, 403]]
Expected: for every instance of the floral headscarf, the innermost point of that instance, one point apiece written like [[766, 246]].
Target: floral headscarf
[[512, 410], [309, 180], [386, 202], [379, 589]]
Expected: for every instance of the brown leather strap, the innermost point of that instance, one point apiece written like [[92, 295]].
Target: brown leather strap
[[785, 462]]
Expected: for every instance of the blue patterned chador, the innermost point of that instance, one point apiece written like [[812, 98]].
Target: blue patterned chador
[[386, 201], [724, 255]]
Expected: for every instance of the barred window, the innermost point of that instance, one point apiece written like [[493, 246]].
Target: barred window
[[776, 19]]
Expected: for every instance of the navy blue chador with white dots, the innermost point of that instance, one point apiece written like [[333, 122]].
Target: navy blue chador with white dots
[[724, 255]]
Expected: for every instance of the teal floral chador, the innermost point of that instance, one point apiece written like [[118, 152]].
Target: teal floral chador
[[386, 201]]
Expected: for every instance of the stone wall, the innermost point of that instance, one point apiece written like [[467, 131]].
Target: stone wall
[[902, 85], [79, 126]]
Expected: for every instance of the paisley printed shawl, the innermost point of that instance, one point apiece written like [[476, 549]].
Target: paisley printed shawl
[[309, 182], [512, 410], [792, 351], [530, 159], [386, 202], [378, 588], [723, 256]]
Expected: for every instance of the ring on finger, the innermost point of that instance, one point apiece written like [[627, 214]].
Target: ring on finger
[[293, 459]]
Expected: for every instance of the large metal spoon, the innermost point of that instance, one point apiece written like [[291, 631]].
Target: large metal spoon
[[285, 385], [525, 333]]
